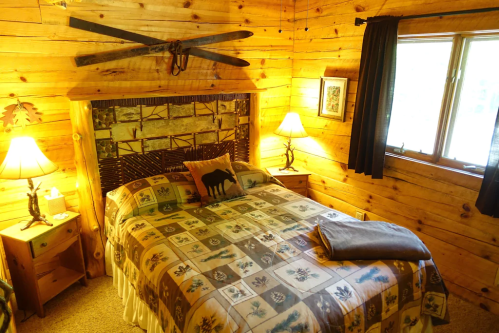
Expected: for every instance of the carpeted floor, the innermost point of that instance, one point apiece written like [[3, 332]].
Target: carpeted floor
[[98, 309], [95, 309]]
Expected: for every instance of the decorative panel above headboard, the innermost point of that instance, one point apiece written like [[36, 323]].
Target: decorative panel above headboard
[[141, 137]]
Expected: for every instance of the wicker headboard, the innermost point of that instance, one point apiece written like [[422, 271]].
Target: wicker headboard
[[142, 137]]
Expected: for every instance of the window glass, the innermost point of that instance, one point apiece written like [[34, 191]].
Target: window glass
[[476, 103], [422, 67]]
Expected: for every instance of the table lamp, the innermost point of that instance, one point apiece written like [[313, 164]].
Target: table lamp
[[291, 127], [25, 160]]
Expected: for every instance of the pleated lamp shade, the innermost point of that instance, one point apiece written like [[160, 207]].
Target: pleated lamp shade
[[291, 127], [25, 160]]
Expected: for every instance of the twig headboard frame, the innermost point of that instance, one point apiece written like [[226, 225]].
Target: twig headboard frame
[[118, 140]]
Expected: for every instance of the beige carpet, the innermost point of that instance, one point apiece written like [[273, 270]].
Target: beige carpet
[[95, 309], [98, 309]]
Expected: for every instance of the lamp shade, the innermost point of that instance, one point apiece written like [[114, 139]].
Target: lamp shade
[[291, 127], [25, 160]]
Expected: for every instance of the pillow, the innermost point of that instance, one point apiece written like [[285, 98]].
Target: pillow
[[250, 176], [215, 179], [161, 192]]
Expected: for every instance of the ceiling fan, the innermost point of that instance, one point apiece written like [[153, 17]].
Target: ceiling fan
[[179, 49]]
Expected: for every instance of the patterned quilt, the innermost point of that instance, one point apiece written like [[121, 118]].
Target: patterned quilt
[[255, 264]]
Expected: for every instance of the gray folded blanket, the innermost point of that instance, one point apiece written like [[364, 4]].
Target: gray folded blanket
[[371, 240]]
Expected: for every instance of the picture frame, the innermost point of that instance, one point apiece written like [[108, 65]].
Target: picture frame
[[333, 98]]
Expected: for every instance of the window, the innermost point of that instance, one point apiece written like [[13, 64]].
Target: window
[[446, 100]]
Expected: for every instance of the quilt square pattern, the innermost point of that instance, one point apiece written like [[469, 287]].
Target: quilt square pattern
[[237, 292], [255, 264], [302, 275], [280, 298]]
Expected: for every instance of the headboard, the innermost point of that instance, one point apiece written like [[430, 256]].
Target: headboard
[[118, 140], [142, 137]]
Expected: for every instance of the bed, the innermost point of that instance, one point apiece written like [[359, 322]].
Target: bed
[[252, 264], [249, 264]]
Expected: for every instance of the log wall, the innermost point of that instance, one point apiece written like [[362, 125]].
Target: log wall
[[437, 204], [36, 50], [36, 65]]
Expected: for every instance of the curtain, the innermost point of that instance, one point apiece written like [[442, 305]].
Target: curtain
[[488, 199], [374, 97]]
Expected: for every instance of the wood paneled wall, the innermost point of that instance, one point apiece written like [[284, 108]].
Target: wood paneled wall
[[36, 65], [437, 204], [36, 50]]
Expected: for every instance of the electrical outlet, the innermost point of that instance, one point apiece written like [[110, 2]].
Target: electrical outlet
[[360, 215]]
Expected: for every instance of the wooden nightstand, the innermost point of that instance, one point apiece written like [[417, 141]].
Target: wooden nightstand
[[44, 260], [295, 181]]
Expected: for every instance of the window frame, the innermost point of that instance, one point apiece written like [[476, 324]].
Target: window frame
[[452, 89]]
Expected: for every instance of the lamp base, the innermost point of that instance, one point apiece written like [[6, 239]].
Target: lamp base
[[36, 219], [289, 160], [33, 207], [286, 169]]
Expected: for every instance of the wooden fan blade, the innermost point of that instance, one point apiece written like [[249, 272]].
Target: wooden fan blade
[[218, 57]]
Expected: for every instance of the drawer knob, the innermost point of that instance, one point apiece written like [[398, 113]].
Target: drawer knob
[[301, 181], [43, 244], [70, 231]]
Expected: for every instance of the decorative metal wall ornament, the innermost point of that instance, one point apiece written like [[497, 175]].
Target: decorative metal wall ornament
[[180, 49], [138, 138], [20, 114]]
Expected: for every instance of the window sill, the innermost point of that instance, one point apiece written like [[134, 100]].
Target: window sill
[[435, 171]]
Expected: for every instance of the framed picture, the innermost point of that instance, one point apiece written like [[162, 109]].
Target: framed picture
[[333, 98]]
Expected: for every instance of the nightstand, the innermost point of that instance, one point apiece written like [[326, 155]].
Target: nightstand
[[295, 181], [44, 260]]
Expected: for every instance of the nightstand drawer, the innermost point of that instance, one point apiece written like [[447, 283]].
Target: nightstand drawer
[[294, 181], [45, 242], [303, 191]]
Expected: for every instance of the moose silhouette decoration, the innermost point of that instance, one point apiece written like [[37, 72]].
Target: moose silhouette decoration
[[213, 180]]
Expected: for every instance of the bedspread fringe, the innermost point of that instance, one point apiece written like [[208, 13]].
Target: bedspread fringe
[[136, 312]]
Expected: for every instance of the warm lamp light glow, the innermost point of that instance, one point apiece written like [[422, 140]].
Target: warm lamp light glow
[[312, 145], [25, 160], [291, 127]]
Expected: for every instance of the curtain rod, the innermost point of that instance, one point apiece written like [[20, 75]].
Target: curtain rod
[[360, 21]]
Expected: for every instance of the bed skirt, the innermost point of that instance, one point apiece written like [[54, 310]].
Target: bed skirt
[[136, 312]]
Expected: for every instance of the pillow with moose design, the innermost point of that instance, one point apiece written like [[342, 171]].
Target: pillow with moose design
[[215, 180]]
